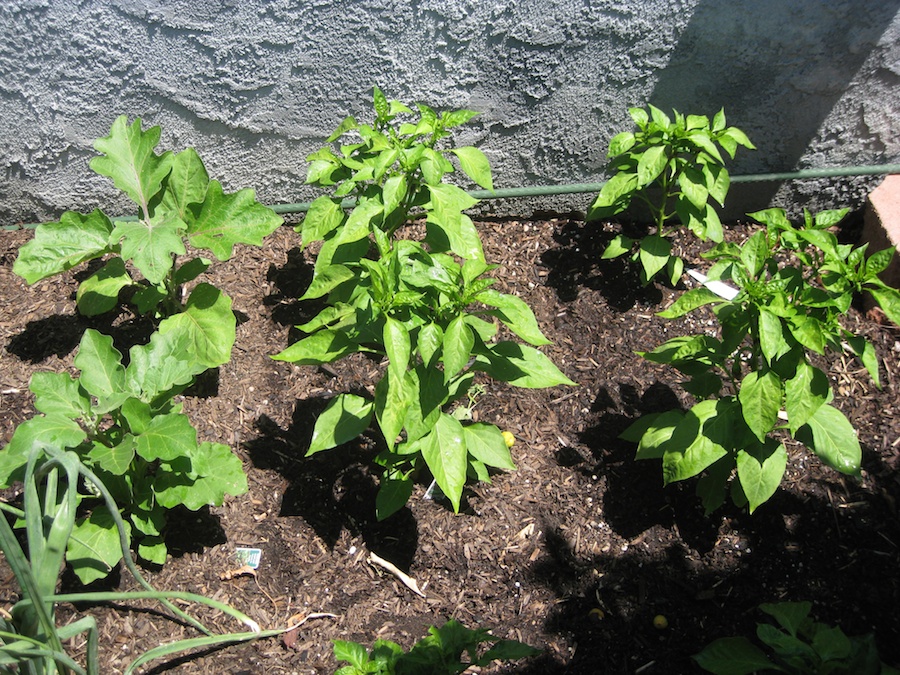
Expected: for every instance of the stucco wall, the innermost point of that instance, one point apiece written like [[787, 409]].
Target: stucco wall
[[257, 85]]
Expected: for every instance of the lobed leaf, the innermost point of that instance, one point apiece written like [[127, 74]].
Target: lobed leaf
[[151, 244], [207, 325], [168, 438], [186, 184], [102, 373], [57, 247], [129, 159], [94, 547], [99, 293], [223, 220]]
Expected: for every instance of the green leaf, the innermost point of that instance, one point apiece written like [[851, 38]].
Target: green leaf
[[733, 656], [186, 184], [53, 430], [689, 301], [151, 244], [475, 165], [130, 160], [323, 346], [153, 550], [94, 549], [754, 253], [621, 143], [833, 440], [866, 353], [223, 220], [429, 342], [656, 433], [166, 362], [137, 414], [57, 247], [889, 301], [115, 460], [771, 336], [345, 418], [102, 373], [352, 652], [457, 348], [790, 615], [654, 254], [620, 245], [394, 192], [216, 472], [445, 453], [516, 314], [326, 280], [805, 392], [694, 444], [712, 485], [520, 365], [392, 401], [485, 443], [99, 293], [323, 217], [207, 324], [449, 229], [761, 397], [760, 469], [693, 186], [58, 393], [167, 437], [393, 493], [651, 164], [397, 347]]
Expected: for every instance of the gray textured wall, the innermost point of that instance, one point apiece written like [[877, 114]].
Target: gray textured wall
[[256, 86]]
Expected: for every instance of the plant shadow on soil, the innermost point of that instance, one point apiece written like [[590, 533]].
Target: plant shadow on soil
[[332, 490], [577, 262]]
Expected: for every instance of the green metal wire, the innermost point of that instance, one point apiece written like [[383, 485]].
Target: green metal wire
[[579, 188]]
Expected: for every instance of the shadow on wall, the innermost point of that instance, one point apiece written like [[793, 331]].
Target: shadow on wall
[[781, 65]]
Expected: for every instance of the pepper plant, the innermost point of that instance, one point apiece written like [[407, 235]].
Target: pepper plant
[[757, 381], [439, 653], [426, 307], [675, 168], [798, 644], [177, 203], [124, 424]]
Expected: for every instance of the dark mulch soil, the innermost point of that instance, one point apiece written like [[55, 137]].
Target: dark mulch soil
[[580, 526]]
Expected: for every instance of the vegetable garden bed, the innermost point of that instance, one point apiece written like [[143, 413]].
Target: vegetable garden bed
[[576, 552]]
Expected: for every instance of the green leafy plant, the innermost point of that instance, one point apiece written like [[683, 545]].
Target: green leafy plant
[[177, 203], [31, 641], [756, 381], [441, 652], [123, 422], [428, 308], [675, 168], [799, 644]]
